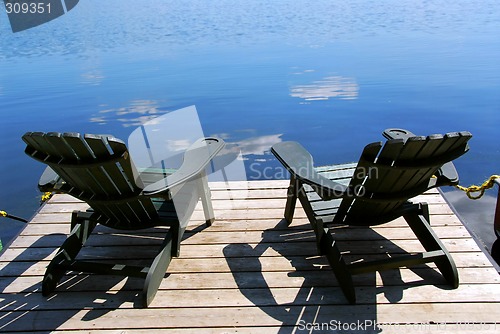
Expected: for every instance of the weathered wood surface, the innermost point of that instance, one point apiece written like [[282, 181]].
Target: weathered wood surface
[[248, 273]]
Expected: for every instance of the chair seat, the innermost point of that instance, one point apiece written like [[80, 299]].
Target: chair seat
[[326, 210]]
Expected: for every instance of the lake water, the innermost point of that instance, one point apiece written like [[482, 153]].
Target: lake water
[[330, 74]]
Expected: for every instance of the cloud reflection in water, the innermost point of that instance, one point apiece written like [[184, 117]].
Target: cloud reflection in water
[[141, 112], [260, 145], [137, 113], [92, 77], [339, 87]]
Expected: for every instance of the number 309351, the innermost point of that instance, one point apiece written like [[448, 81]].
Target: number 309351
[[25, 8]]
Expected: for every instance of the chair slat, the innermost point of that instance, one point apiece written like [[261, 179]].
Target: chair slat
[[81, 150], [38, 142], [390, 152], [430, 147], [85, 180], [427, 151], [43, 151], [368, 157], [382, 177], [412, 147], [105, 177], [366, 160], [395, 173], [112, 178], [449, 142], [64, 151], [121, 176], [130, 171], [105, 210]]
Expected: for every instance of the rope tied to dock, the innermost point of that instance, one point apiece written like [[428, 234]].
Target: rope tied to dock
[[489, 183], [6, 215], [45, 197]]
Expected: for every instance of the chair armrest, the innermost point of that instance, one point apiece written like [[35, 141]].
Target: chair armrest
[[446, 175], [299, 162], [49, 180], [196, 159], [397, 133]]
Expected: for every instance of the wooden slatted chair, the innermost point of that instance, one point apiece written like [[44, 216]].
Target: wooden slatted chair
[[376, 191], [98, 169]]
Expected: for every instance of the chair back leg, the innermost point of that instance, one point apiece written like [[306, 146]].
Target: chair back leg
[[419, 223]]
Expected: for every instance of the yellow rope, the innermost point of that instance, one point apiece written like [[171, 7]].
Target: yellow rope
[[474, 189], [46, 196], [5, 214]]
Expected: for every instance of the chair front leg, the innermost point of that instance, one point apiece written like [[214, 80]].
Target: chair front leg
[[177, 231], [291, 199], [206, 198], [157, 270], [340, 268], [82, 228]]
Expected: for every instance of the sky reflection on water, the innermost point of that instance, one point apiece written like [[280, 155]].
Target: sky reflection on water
[[332, 75]]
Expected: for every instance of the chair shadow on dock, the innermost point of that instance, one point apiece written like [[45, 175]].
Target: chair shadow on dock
[[318, 302], [21, 301], [95, 295]]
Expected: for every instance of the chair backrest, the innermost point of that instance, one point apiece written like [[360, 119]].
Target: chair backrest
[[98, 170], [387, 176]]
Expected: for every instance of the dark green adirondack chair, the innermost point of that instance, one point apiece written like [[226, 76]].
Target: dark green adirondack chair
[[376, 191], [98, 169]]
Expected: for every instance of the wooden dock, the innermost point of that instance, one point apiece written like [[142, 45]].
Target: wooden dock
[[248, 273]]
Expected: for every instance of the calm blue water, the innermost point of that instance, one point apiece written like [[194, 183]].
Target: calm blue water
[[330, 74]]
